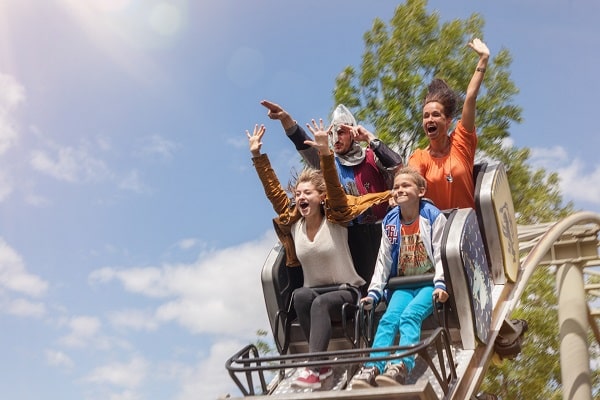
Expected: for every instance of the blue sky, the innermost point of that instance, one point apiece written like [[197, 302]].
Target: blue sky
[[132, 225]]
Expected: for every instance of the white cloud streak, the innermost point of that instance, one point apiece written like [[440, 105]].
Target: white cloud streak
[[24, 308], [57, 358], [12, 94], [128, 375], [186, 244], [79, 164], [138, 320], [14, 276], [132, 182], [205, 381], [218, 294], [157, 146], [578, 182], [70, 164], [83, 331]]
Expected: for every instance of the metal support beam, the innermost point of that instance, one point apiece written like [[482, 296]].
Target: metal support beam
[[573, 327]]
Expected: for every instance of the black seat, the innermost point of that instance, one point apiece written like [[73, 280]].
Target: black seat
[[287, 319], [279, 283]]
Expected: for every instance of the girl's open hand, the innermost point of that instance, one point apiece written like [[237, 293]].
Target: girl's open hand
[[254, 139], [321, 141]]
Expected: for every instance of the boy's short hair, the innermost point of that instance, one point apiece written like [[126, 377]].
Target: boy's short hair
[[414, 174]]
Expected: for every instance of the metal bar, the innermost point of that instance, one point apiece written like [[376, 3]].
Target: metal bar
[[573, 328]]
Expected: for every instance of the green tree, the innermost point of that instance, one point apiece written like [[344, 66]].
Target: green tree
[[386, 92], [263, 346], [535, 373], [400, 60]]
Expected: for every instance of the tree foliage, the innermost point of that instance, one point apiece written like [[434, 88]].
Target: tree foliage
[[263, 346], [400, 60], [387, 91], [535, 373]]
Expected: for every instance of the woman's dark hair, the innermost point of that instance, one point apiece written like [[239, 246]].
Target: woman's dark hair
[[440, 92]]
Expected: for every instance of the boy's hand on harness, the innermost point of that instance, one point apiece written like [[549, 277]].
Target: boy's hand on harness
[[440, 295], [367, 303]]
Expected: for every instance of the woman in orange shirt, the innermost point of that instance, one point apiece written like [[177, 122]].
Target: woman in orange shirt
[[447, 163]]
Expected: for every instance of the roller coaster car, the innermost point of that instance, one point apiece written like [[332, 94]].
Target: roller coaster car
[[480, 257]]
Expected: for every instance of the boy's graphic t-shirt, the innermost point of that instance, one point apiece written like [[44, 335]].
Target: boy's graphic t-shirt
[[413, 259]]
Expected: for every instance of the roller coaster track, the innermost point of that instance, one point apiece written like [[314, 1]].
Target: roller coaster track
[[571, 245]]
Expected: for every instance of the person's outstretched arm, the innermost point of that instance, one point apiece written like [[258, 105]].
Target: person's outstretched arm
[[387, 157], [273, 189], [468, 111], [336, 197], [294, 132]]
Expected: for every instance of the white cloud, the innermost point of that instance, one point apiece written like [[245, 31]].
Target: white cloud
[[148, 281], [132, 182], [13, 275], [134, 319], [125, 395], [24, 308], [128, 375], [70, 164], [57, 358], [12, 94], [6, 186], [549, 157], [205, 381], [80, 164], [219, 297], [186, 244], [103, 143], [84, 330], [36, 200], [157, 146], [579, 182], [508, 142], [102, 275], [238, 141], [8, 133], [220, 293]]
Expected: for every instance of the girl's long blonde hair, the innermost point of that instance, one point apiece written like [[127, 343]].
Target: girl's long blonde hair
[[309, 175]]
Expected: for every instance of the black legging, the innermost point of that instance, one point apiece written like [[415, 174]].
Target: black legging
[[316, 312]]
